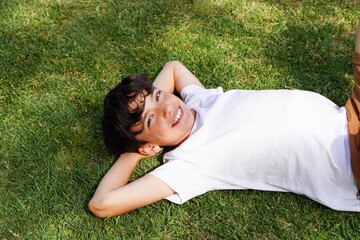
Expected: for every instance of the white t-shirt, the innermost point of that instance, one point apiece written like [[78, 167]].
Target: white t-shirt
[[273, 140]]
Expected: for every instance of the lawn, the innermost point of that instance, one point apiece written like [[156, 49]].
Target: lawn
[[59, 58]]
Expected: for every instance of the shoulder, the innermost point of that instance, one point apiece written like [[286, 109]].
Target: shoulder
[[193, 93], [200, 91]]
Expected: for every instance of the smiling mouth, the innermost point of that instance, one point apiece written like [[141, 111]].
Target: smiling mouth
[[177, 117]]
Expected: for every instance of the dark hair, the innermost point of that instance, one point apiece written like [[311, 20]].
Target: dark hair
[[118, 116]]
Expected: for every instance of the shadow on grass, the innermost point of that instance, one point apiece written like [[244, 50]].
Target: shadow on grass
[[313, 54], [314, 57]]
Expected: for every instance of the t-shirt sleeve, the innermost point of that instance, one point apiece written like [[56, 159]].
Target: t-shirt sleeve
[[186, 181], [196, 95]]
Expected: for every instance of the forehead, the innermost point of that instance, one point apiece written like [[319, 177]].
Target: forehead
[[138, 102], [138, 106]]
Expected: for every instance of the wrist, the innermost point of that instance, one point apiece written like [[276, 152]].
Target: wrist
[[131, 156]]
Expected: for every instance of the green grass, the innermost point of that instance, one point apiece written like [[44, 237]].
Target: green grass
[[58, 59]]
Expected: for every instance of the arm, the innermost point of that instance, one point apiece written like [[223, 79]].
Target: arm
[[174, 77], [115, 196], [357, 41]]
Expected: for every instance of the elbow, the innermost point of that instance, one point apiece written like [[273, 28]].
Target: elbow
[[98, 208], [172, 63]]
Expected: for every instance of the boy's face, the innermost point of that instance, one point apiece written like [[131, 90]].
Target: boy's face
[[166, 120]]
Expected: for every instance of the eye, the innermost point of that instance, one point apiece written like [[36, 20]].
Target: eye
[[149, 120], [158, 94]]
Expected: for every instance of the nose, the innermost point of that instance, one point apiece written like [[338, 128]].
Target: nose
[[167, 109]]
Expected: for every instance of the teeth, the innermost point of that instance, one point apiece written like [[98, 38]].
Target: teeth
[[178, 115]]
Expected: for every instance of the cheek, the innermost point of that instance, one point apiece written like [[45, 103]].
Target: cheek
[[162, 129], [189, 120]]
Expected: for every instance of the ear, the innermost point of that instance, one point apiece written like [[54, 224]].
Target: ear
[[149, 149]]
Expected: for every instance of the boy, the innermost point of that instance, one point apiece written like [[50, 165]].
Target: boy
[[274, 140]]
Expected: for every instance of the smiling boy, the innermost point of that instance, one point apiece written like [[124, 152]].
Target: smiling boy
[[273, 140]]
